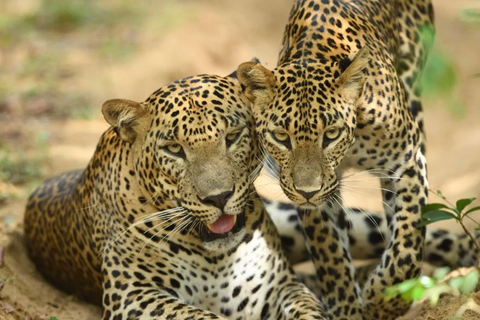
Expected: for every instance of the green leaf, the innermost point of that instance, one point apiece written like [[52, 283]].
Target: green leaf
[[470, 283], [390, 293], [434, 216], [438, 215], [440, 273], [401, 288], [407, 296], [472, 210], [417, 293], [462, 203], [52, 318], [456, 283], [407, 285], [424, 223], [433, 206]]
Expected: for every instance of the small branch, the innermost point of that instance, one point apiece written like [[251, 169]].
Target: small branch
[[442, 197], [473, 239]]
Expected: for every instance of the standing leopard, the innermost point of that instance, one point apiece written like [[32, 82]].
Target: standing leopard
[[163, 223], [344, 95], [368, 233]]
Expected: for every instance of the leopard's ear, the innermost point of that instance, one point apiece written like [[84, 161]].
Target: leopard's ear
[[125, 116], [258, 81], [352, 78]]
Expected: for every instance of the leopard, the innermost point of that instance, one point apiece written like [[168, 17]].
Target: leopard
[[367, 238], [346, 95], [163, 223]]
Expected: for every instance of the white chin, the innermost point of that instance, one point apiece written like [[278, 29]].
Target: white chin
[[307, 206], [225, 244]]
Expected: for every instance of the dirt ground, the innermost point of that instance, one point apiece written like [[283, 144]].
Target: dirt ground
[[214, 37]]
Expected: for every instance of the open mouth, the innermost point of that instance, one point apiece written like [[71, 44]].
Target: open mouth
[[226, 225]]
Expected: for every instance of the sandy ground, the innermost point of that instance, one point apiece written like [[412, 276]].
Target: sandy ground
[[214, 38]]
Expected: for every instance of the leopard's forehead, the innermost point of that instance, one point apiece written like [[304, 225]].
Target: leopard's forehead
[[198, 108], [308, 97]]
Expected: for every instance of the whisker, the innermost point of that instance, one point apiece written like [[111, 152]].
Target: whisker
[[276, 196], [374, 171], [136, 223], [374, 178], [167, 236], [269, 163], [163, 229], [183, 226], [373, 221], [367, 194], [371, 187], [266, 184], [164, 221], [338, 200], [161, 213], [256, 172], [193, 226]]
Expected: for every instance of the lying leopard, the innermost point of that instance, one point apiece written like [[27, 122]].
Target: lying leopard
[[163, 223], [345, 95]]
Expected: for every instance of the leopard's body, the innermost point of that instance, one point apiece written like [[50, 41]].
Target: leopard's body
[[148, 228], [368, 235], [344, 95]]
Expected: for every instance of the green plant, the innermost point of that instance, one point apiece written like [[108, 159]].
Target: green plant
[[430, 288], [434, 212]]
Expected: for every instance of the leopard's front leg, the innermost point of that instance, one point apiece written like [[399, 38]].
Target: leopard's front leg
[[296, 302], [404, 256], [148, 303], [131, 293], [328, 246]]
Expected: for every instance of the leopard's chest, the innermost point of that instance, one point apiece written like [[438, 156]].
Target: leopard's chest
[[236, 285]]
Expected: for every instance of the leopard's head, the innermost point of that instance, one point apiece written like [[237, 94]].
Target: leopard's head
[[306, 117], [193, 145]]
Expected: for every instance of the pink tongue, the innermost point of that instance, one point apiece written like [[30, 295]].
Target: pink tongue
[[223, 224]]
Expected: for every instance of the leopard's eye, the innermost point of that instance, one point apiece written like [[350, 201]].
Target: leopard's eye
[[282, 138], [175, 149], [332, 134], [232, 137]]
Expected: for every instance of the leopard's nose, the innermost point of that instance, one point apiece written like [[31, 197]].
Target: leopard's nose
[[218, 200], [307, 194]]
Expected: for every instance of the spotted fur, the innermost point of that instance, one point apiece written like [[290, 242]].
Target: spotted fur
[[368, 235], [345, 95], [130, 231]]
